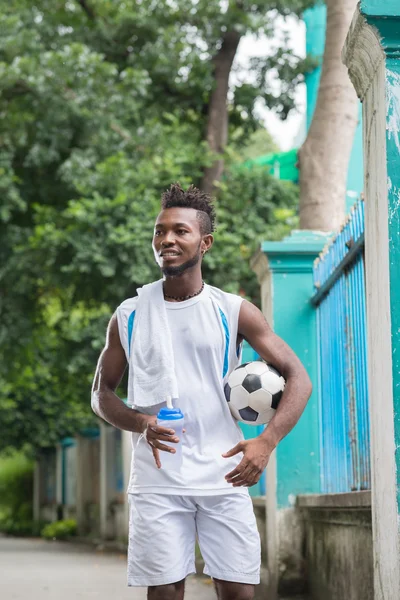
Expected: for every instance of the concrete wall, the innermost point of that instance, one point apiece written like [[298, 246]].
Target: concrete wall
[[260, 512], [86, 478], [338, 547], [333, 547]]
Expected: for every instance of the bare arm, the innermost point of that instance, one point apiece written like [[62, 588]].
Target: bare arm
[[107, 405], [255, 330], [110, 369]]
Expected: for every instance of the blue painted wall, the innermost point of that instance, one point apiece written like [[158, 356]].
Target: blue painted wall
[[295, 322]]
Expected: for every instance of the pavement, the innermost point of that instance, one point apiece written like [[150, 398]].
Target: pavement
[[36, 569]]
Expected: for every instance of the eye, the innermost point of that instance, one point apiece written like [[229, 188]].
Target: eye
[[157, 232], [182, 231]]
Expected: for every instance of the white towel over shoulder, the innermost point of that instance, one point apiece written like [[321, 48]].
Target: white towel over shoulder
[[152, 356]]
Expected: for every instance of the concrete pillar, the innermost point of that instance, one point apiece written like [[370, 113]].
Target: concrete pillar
[[372, 54], [36, 491], [87, 480], [107, 529], [81, 475], [284, 270], [59, 480], [69, 477]]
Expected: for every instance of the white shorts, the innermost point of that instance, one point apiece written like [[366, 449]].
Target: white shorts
[[163, 531]]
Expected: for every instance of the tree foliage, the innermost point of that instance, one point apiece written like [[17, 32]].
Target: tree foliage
[[102, 106]]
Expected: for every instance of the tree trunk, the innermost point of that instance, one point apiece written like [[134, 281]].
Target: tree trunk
[[217, 123], [325, 154]]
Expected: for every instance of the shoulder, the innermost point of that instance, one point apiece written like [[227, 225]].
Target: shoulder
[[125, 314], [225, 298], [130, 304], [229, 305], [127, 306]]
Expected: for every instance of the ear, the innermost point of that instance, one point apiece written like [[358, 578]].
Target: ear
[[206, 243]]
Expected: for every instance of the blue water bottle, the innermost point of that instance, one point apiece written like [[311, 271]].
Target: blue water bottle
[[171, 418]]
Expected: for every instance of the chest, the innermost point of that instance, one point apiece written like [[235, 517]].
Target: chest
[[197, 329]]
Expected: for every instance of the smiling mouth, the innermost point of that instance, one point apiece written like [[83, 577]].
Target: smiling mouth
[[169, 254]]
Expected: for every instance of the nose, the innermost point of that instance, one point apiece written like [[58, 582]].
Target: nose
[[168, 239]]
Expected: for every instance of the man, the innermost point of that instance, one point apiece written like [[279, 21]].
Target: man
[[209, 497]]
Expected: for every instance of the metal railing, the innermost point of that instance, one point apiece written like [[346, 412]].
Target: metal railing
[[339, 298]]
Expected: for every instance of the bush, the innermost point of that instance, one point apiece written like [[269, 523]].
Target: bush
[[16, 492], [18, 527], [59, 530]]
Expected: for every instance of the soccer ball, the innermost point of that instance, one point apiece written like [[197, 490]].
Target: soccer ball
[[253, 391]]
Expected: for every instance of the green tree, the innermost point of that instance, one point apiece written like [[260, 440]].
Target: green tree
[[102, 106], [258, 144]]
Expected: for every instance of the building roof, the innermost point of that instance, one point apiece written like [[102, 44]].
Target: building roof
[[282, 164]]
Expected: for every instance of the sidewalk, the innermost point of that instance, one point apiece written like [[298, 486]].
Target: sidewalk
[[40, 570]]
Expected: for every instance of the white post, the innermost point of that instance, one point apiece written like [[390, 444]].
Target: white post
[[372, 54]]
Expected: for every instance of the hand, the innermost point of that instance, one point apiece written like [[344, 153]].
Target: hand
[[256, 453], [155, 434]]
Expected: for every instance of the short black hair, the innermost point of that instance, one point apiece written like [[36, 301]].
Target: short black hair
[[191, 198]]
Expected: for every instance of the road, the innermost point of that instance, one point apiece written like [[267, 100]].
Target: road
[[41, 570]]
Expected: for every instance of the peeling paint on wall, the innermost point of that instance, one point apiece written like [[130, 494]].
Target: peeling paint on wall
[[394, 206], [393, 106]]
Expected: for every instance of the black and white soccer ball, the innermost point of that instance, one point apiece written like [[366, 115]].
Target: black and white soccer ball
[[253, 391]]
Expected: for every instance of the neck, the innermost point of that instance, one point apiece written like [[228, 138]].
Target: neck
[[183, 285]]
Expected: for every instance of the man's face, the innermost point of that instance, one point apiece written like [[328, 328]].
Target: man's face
[[177, 240]]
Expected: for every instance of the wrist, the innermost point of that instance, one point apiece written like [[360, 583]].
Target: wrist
[[270, 437], [144, 421]]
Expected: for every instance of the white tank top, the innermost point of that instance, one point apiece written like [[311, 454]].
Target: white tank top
[[204, 337]]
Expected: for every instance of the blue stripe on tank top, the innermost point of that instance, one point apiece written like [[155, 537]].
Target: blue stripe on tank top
[[227, 336], [130, 329]]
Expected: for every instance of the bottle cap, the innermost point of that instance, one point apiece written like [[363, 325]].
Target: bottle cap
[[170, 414]]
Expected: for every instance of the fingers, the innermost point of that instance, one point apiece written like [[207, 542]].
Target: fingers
[[156, 444], [156, 456], [163, 438], [233, 473], [161, 430], [246, 480], [235, 450], [245, 474], [156, 435]]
